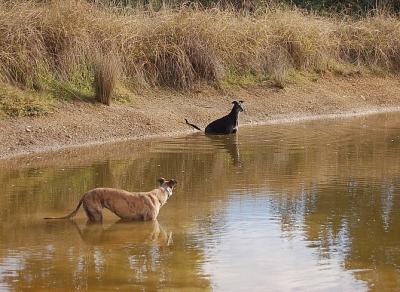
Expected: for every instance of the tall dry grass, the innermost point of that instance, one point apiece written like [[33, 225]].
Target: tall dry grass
[[106, 72], [53, 46]]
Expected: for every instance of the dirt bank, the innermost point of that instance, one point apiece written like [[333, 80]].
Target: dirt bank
[[160, 113]]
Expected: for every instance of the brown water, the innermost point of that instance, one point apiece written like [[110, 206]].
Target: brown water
[[307, 206]]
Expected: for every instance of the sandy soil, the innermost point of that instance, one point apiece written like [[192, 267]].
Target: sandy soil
[[161, 113]]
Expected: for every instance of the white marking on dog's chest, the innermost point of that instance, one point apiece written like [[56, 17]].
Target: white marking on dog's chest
[[168, 191]]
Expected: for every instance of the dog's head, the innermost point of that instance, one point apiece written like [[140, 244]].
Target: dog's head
[[167, 185], [238, 105]]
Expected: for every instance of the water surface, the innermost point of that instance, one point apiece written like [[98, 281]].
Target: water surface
[[312, 206]]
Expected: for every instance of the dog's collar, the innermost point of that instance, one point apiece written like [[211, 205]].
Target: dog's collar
[[168, 190]]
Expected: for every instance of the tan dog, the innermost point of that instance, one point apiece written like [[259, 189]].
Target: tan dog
[[128, 206]]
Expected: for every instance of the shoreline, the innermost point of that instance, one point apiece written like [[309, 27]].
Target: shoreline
[[48, 150], [328, 116], [155, 115]]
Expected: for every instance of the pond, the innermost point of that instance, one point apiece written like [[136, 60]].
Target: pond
[[300, 206]]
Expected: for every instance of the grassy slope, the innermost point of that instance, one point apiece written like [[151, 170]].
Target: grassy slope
[[74, 50]]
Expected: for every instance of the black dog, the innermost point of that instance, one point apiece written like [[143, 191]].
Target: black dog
[[225, 125]]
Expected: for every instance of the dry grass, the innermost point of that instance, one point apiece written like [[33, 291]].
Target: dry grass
[[106, 72], [18, 102], [45, 47]]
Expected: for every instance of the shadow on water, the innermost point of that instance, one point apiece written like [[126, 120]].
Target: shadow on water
[[331, 188]]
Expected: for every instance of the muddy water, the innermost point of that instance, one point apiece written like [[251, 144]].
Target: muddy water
[[306, 206]]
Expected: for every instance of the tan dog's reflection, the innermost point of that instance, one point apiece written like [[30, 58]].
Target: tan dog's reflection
[[123, 232]]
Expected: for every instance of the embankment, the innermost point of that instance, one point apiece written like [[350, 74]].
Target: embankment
[[160, 113]]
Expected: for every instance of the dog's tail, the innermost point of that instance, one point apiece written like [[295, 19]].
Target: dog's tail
[[72, 214], [194, 126]]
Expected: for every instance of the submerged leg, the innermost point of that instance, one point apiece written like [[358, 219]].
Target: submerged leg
[[93, 212]]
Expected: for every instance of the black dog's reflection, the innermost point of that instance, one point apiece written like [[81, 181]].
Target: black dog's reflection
[[229, 143], [123, 232]]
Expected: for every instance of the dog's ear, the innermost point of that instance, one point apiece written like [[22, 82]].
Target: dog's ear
[[161, 180], [172, 183], [237, 102]]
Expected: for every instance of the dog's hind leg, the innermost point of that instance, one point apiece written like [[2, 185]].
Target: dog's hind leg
[[93, 212], [150, 215]]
